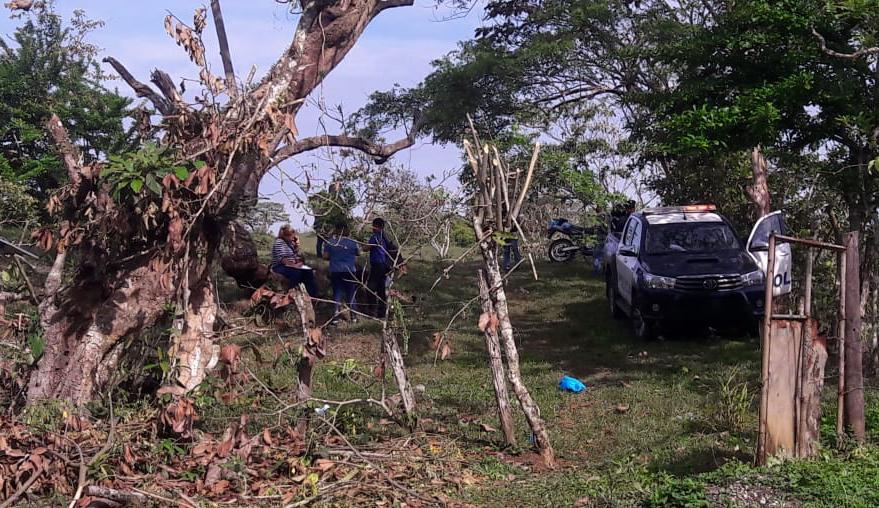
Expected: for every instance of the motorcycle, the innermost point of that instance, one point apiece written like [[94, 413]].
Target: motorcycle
[[575, 239]]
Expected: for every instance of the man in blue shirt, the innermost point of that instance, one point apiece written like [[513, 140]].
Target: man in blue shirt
[[382, 256], [342, 252]]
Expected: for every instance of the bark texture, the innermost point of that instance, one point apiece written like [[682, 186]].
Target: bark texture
[[131, 269], [395, 358], [854, 373], [496, 364], [759, 189], [529, 407]]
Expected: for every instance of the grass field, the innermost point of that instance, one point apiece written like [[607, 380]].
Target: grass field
[[670, 423]]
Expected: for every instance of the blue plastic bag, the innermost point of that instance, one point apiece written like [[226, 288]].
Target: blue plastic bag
[[570, 384]]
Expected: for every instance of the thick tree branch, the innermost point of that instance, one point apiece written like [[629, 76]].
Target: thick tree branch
[[380, 152], [225, 54], [847, 56], [162, 80], [70, 156], [141, 89], [390, 4]]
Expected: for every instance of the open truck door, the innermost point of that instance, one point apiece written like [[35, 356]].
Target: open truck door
[[758, 248]]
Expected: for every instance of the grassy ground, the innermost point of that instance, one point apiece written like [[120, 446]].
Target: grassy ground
[[662, 424], [667, 423]]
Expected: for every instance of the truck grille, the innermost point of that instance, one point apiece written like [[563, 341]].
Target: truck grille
[[709, 283]]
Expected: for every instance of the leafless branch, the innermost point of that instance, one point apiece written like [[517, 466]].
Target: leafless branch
[[847, 56], [141, 89], [225, 54], [380, 152]]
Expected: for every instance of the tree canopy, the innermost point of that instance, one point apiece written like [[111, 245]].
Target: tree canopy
[[51, 68]]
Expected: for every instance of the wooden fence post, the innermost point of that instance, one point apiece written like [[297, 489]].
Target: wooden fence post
[[854, 372]]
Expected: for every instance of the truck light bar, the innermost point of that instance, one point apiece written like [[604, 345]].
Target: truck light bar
[[679, 209]]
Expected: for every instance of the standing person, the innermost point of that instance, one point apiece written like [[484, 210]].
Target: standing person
[[287, 260], [511, 253], [342, 252], [382, 256]]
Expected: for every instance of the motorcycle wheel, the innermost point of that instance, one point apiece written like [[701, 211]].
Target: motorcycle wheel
[[557, 252]]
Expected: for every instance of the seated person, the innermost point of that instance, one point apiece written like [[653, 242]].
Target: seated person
[[287, 261]]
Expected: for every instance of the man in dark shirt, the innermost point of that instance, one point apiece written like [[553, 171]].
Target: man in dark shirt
[[382, 256]]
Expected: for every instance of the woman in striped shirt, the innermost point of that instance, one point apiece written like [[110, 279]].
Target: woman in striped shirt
[[287, 260]]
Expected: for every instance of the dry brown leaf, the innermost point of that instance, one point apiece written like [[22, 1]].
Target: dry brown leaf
[[379, 371], [267, 437], [169, 25], [437, 340], [230, 354], [128, 455], [493, 322], [315, 336], [446, 351], [622, 408], [487, 428], [324, 465], [226, 446], [484, 319], [220, 487], [199, 19]]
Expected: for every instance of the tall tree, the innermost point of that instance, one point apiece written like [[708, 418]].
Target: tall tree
[[50, 68], [153, 243]]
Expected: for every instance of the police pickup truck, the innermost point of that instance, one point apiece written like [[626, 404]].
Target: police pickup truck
[[686, 266]]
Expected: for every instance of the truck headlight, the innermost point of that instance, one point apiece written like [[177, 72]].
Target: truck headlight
[[755, 278], [658, 282]]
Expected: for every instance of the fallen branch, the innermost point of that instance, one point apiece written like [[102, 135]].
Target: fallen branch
[[23, 488], [133, 498]]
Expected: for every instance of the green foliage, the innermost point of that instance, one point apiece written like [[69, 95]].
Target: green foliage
[[51, 69], [332, 205], [677, 493], [17, 207], [263, 214], [462, 233], [129, 173]]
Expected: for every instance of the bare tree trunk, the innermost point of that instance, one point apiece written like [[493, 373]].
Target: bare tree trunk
[[194, 349], [759, 189], [814, 359], [81, 328], [529, 407], [854, 374], [395, 359], [313, 348], [495, 361]]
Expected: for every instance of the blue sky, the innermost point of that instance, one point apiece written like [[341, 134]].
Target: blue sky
[[397, 48]]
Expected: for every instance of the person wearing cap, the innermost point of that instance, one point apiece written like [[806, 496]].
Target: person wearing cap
[[342, 253], [382, 256], [288, 261]]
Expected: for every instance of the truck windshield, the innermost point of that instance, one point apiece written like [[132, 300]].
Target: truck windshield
[[693, 237]]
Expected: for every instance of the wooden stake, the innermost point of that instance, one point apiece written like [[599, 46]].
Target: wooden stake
[[766, 336]]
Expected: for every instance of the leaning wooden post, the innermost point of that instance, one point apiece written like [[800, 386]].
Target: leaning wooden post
[[312, 348], [495, 361], [854, 374], [395, 359]]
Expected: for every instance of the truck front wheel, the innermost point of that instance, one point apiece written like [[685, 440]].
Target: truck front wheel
[[611, 292], [644, 329]]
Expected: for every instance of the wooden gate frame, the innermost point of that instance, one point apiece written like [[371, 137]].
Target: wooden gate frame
[[769, 316]]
